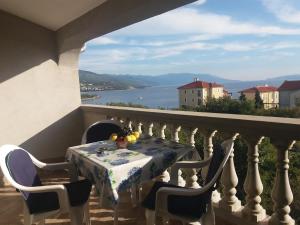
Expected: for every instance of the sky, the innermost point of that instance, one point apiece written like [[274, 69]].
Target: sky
[[233, 39]]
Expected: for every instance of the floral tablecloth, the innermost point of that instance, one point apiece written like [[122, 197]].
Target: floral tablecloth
[[114, 170]]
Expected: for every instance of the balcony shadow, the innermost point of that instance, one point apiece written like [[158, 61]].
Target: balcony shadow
[[24, 46], [53, 141]]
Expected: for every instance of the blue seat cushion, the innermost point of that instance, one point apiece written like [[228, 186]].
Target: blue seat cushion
[[78, 193], [24, 172], [185, 206]]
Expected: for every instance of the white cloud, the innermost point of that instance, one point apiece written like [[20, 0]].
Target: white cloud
[[283, 10], [103, 41], [190, 21], [199, 2]]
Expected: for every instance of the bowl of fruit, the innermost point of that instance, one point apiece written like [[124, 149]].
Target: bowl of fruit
[[125, 137]]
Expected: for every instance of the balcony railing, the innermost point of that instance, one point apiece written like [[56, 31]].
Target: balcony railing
[[281, 131]]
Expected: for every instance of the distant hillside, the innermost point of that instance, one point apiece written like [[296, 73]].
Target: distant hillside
[[108, 81], [139, 81], [112, 82]]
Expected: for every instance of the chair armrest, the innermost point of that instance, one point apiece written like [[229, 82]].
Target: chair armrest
[[60, 190], [58, 166], [161, 205], [186, 164]]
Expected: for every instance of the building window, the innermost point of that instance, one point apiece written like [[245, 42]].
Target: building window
[[192, 100], [192, 91], [199, 93], [184, 91], [184, 99]]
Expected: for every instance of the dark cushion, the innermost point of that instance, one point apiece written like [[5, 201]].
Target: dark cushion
[[24, 172], [101, 131], [188, 206], [79, 192]]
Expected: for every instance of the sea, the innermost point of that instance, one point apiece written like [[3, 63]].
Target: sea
[[152, 97]]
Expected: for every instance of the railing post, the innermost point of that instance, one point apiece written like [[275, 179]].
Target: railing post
[[162, 131], [229, 181], [139, 127], [165, 176], [253, 186], [208, 151], [191, 174], [282, 195], [175, 137]]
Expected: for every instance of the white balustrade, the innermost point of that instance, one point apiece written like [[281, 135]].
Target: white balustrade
[[282, 194], [191, 174], [229, 181], [228, 207], [253, 186]]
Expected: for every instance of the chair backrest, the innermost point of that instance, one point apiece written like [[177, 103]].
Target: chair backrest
[[100, 131], [219, 159], [215, 162], [22, 170]]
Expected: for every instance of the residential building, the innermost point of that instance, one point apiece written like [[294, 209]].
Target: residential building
[[268, 94], [289, 94], [198, 92]]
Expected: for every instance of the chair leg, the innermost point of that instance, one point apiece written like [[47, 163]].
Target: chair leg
[[86, 215], [42, 222], [134, 196], [116, 215], [209, 217], [28, 219], [76, 215], [150, 217], [165, 220]]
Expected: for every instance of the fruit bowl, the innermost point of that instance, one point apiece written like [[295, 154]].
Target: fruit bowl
[[125, 137], [121, 143]]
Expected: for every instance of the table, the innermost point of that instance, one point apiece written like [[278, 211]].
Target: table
[[115, 170]]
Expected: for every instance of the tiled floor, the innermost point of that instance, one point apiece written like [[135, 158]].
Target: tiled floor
[[11, 207]]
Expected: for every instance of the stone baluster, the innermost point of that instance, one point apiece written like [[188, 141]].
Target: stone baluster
[[165, 176], [109, 117], [282, 195], [191, 174], [175, 137], [229, 181], [208, 151], [162, 131], [129, 124], [150, 129], [253, 186], [139, 127]]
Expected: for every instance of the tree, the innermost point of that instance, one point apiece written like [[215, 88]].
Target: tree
[[242, 97], [259, 104]]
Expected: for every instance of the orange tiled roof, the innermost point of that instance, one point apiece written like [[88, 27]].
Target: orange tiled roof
[[290, 85], [200, 84], [260, 89]]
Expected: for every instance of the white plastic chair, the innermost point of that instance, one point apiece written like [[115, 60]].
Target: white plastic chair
[[78, 214], [163, 193]]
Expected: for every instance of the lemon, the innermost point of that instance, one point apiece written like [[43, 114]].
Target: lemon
[[113, 137], [136, 134], [133, 138], [128, 138]]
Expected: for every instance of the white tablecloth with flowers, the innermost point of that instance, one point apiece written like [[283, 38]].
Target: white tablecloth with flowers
[[114, 170]]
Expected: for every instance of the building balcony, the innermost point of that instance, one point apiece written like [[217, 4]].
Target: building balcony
[[171, 124]]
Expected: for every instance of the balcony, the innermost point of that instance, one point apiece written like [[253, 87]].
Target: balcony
[[41, 111], [170, 124]]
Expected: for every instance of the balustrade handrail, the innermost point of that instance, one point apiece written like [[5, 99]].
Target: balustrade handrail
[[281, 131], [273, 127]]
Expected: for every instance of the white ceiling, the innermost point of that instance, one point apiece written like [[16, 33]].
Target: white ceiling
[[52, 14]]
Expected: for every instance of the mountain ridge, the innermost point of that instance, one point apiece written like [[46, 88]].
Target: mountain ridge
[[140, 81]]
